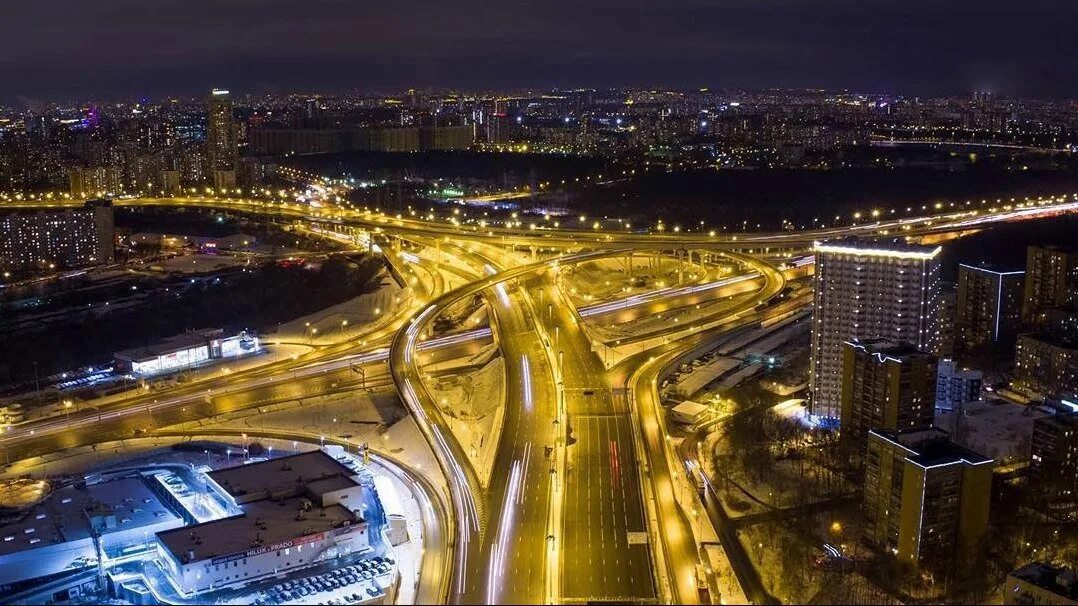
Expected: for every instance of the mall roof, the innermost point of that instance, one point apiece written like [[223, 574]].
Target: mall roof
[[65, 515], [265, 523], [284, 476]]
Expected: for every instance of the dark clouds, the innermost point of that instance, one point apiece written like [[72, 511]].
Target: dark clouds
[[56, 48]]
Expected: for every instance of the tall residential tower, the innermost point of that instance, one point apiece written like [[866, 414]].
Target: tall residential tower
[[869, 291], [1051, 280], [885, 385], [989, 307], [221, 146]]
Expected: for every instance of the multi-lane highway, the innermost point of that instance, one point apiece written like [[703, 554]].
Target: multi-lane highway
[[580, 504]]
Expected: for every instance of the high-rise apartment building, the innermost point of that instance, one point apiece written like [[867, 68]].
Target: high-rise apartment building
[[926, 498], [1051, 280], [49, 240], [221, 144], [88, 182], [869, 291], [946, 312], [1062, 323], [885, 385], [1054, 455], [1046, 365], [989, 307]]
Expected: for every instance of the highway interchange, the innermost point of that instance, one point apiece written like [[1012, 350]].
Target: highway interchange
[[580, 504]]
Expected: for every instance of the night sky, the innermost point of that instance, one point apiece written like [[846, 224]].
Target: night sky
[[66, 49]]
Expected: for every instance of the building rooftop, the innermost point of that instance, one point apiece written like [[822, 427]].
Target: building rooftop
[[993, 269], [996, 428], [931, 447], [888, 349], [286, 476], [896, 247], [1061, 420], [1058, 580], [1054, 340], [170, 345], [65, 515], [266, 523]]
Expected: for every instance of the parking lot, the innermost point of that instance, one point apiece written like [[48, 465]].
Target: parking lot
[[353, 584]]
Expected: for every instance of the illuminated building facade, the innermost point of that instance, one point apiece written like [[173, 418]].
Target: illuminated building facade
[[298, 510], [1054, 455], [868, 291], [185, 351], [885, 385], [1051, 280], [1046, 365], [925, 498], [956, 386], [221, 144], [50, 240], [989, 306]]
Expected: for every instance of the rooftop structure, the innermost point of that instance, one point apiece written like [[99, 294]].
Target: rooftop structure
[[263, 524], [1040, 583], [289, 476], [297, 510], [57, 534]]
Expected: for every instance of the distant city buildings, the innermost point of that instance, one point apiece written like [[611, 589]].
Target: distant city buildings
[[887, 386], [291, 141], [35, 241], [86, 182], [926, 499], [956, 386], [1041, 584], [206, 141], [868, 291], [988, 310]]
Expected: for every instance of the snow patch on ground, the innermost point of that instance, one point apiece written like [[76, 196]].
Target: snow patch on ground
[[474, 407]]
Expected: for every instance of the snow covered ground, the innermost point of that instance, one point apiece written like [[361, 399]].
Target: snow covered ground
[[347, 319], [474, 406]]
